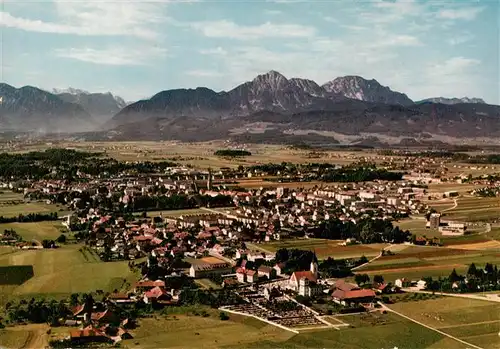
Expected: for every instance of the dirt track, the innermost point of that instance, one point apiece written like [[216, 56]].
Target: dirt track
[[37, 336]]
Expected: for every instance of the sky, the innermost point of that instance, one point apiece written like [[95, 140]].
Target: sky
[[138, 48]]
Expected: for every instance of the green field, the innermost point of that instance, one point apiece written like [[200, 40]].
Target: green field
[[474, 321], [181, 331], [369, 331], [66, 270], [9, 210], [36, 231], [9, 196], [323, 248]]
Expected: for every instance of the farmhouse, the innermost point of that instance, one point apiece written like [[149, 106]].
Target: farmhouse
[[89, 334], [353, 296]]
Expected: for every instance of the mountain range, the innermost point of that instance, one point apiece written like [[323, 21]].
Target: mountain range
[[270, 107], [101, 106]]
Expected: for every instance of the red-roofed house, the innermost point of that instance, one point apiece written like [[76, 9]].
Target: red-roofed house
[[89, 334], [157, 294], [103, 317], [353, 296], [146, 285]]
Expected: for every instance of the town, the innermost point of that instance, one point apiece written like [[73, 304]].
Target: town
[[304, 247]]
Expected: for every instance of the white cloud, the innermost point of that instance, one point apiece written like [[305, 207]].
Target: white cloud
[[465, 13], [273, 12], [399, 40], [204, 73], [218, 51], [454, 77], [97, 18], [452, 66], [461, 39], [117, 56], [231, 30]]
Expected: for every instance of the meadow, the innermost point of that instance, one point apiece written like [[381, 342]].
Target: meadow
[[323, 248], [64, 271], [374, 330], [475, 321], [49, 230]]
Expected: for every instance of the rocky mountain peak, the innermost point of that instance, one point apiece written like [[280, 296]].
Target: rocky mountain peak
[[356, 87], [272, 80], [444, 100]]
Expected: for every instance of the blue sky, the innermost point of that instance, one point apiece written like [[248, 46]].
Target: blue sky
[[138, 48]]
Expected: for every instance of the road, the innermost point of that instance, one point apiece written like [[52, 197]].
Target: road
[[373, 259], [455, 204], [429, 327]]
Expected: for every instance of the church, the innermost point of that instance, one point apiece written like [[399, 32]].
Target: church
[[306, 282]]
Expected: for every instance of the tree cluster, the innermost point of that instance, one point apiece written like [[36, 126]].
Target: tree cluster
[[31, 217], [475, 280], [36, 311], [232, 152], [366, 231]]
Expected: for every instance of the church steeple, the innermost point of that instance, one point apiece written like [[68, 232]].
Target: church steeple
[[314, 265], [209, 180]]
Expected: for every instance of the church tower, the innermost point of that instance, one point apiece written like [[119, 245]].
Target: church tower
[[209, 180], [314, 266]]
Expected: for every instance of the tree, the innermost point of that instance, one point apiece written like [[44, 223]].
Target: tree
[[472, 270], [379, 279], [223, 316], [361, 279], [454, 277]]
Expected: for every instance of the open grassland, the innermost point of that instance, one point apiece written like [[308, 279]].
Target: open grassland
[[33, 336], [366, 331], [461, 188], [7, 196], [66, 270], [181, 331], [414, 262], [324, 248], [36, 231], [474, 321], [12, 210]]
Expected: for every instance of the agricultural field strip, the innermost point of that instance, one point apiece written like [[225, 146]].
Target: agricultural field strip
[[434, 329]]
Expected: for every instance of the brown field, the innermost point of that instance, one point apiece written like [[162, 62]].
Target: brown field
[[420, 261], [201, 154], [324, 248]]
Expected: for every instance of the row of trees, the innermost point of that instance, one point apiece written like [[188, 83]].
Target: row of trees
[[31, 217], [36, 311], [360, 174], [232, 152], [475, 280]]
